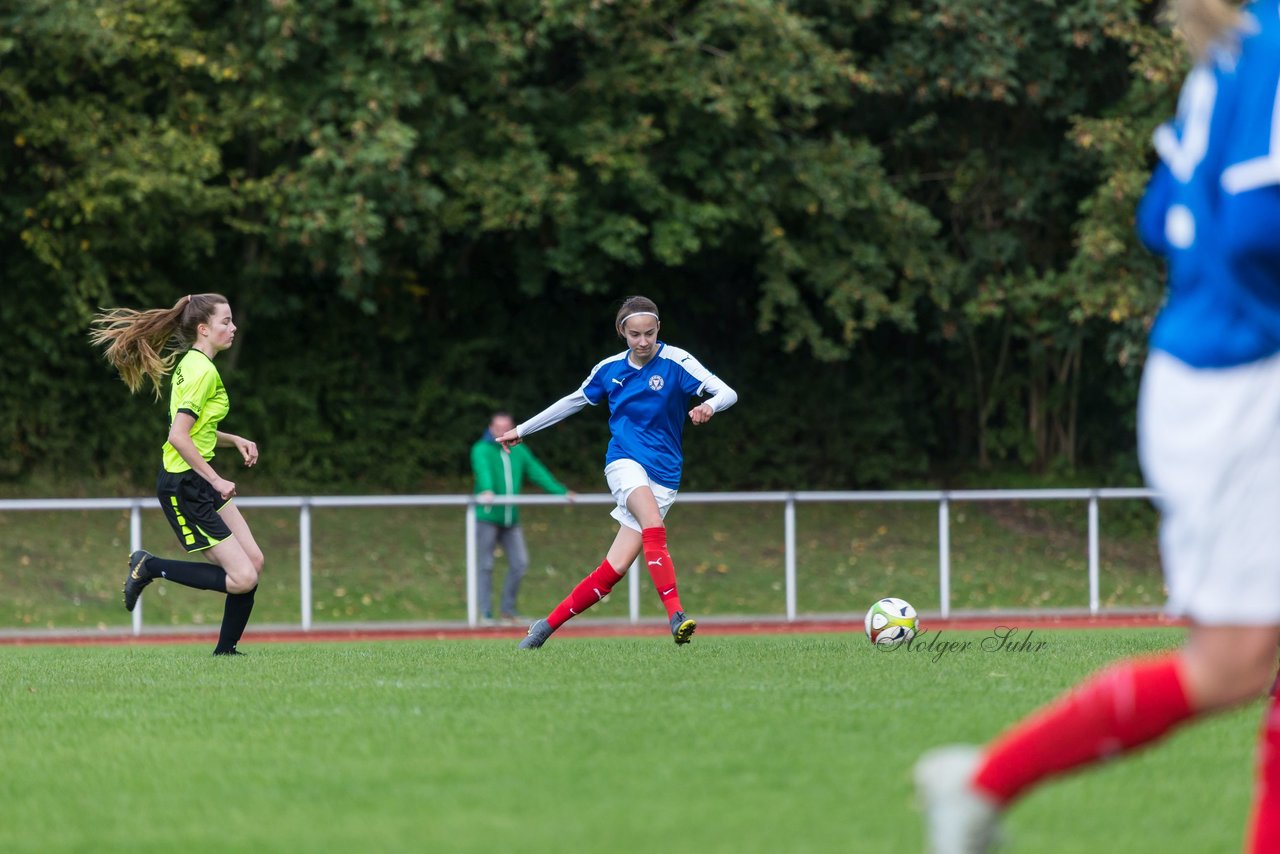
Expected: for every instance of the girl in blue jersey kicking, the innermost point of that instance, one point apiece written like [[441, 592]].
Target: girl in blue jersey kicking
[[195, 499], [647, 387], [1209, 440]]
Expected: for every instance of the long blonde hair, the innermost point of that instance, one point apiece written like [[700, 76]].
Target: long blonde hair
[[143, 345], [1204, 23]]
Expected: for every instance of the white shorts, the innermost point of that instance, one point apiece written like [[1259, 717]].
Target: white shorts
[[623, 477], [1209, 442]]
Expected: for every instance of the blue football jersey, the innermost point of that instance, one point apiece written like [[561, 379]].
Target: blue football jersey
[[1212, 207], [648, 407]]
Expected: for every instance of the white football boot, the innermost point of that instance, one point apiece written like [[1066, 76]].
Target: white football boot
[[958, 818]]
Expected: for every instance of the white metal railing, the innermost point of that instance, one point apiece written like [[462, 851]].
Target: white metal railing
[[789, 500]]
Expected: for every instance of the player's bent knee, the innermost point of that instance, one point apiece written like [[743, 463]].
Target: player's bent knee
[[1248, 684], [242, 578], [1223, 676], [242, 582], [1259, 675]]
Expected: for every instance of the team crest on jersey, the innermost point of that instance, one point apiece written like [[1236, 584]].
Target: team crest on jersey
[[655, 382]]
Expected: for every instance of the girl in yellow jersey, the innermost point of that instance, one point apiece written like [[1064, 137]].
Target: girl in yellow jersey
[[196, 500]]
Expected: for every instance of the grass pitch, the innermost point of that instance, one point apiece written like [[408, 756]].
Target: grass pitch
[[766, 743]]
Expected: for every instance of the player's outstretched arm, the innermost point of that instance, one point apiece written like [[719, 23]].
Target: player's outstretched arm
[[553, 414]]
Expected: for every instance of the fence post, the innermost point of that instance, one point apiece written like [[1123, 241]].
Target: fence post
[[473, 605], [944, 556], [633, 588], [135, 543], [1093, 553], [304, 562], [789, 562]]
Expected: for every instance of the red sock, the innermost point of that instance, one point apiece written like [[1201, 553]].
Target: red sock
[[1116, 710], [1264, 830], [661, 569], [589, 591]]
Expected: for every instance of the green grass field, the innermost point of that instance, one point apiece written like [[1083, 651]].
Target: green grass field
[[768, 743], [64, 569]]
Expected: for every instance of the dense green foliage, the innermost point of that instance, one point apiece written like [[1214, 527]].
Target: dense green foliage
[[902, 231]]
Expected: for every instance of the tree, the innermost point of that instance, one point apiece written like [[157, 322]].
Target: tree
[[391, 194]]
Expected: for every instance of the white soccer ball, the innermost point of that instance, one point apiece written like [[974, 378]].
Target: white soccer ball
[[891, 621]]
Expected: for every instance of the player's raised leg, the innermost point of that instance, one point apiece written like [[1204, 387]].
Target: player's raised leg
[[590, 590], [1118, 710], [1264, 823]]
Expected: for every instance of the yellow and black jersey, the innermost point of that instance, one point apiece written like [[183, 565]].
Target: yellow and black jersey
[[196, 388]]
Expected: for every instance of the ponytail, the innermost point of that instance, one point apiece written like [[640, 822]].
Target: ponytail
[[143, 345], [1204, 23]]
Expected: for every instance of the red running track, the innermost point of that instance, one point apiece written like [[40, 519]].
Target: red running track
[[588, 630]]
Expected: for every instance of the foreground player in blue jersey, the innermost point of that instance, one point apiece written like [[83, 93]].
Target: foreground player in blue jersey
[[647, 387], [1209, 437]]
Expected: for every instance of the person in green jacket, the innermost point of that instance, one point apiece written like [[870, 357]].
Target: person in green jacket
[[500, 473]]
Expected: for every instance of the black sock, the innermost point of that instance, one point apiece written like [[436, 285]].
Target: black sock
[[235, 616], [202, 576]]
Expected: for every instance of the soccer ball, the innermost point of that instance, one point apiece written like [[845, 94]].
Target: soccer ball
[[891, 621]]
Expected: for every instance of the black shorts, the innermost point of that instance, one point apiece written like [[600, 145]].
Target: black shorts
[[191, 506]]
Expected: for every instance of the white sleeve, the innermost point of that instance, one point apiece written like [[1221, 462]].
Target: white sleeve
[[1261, 171], [553, 414], [722, 397]]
